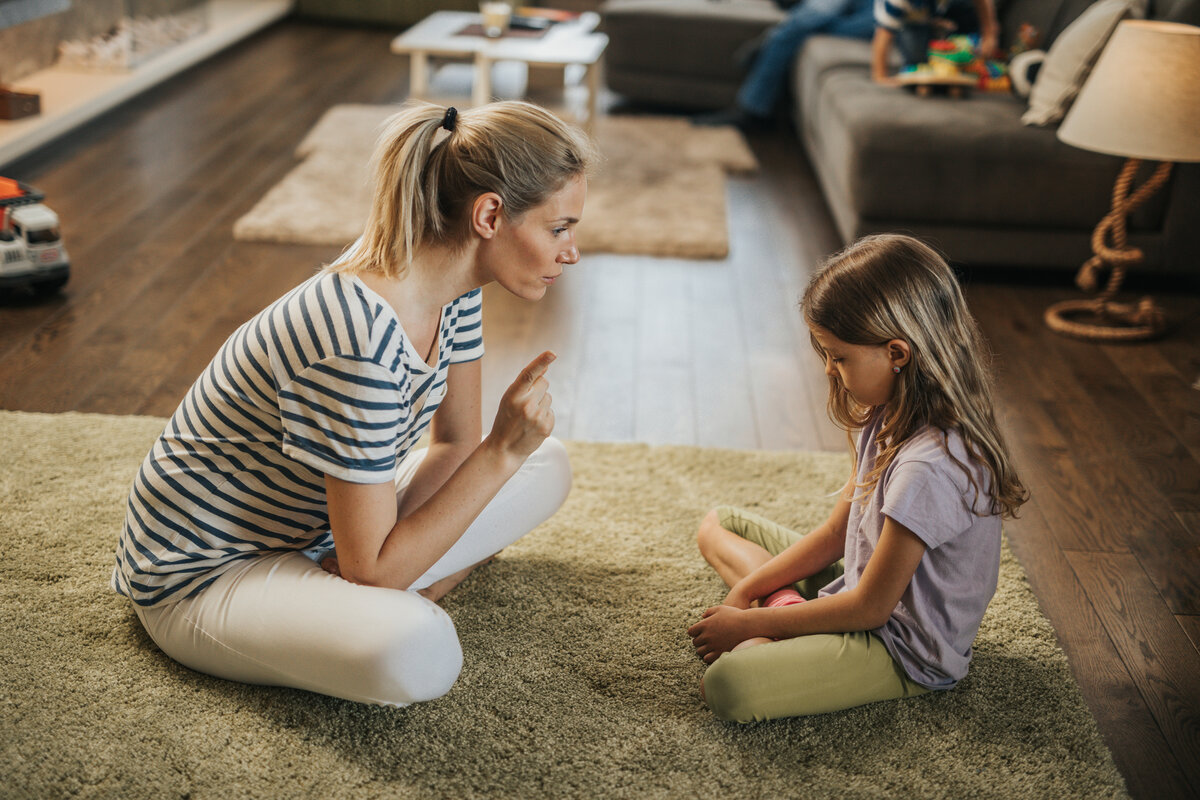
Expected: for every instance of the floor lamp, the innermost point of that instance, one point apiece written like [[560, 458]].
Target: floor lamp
[[1142, 101]]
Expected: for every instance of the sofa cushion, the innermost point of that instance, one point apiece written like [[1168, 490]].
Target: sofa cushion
[[695, 39], [1071, 57], [895, 156], [1049, 17], [681, 52], [822, 54]]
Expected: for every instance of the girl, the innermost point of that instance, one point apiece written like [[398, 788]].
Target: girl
[[918, 523], [299, 435]]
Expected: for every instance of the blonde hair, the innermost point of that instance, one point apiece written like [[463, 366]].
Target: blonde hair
[[894, 287], [427, 177]]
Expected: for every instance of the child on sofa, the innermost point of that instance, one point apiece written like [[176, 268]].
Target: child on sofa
[[917, 524], [911, 24]]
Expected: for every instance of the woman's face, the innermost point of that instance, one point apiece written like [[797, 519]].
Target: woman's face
[[528, 255]]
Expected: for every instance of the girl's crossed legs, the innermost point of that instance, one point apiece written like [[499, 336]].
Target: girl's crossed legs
[[791, 677], [281, 620]]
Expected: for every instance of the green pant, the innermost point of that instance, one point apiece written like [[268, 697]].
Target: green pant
[[807, 674]]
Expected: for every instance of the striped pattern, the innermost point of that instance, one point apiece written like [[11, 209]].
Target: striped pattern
[[895, 14], [322, 381]]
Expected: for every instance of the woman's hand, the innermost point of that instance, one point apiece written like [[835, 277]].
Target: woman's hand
[[720, 629], [525, 418]]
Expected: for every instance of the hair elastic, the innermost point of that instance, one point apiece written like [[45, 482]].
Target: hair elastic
[[451, 119]]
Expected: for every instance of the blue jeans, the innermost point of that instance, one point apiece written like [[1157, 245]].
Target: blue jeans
[[764, 84]]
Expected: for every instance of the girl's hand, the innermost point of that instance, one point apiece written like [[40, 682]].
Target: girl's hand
[[525, 418], [738, 599], [720, 629]]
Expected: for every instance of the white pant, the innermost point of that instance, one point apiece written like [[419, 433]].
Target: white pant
[[281, 620]]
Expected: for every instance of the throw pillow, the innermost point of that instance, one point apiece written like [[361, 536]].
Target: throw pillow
[[1023, 70], [1072, 56]]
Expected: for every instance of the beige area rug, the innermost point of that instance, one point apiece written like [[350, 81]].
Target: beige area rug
[[660, 190], [579, 680]]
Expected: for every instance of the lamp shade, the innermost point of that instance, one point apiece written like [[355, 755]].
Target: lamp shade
[[1142, 100]]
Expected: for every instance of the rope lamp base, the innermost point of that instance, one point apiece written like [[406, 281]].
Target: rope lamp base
[[1102, 319], [1107, 322]]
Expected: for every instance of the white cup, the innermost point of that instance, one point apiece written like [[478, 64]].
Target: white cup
[[496, 16]]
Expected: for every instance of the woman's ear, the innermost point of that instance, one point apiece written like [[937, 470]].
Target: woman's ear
[[486, 214], [899, 353]]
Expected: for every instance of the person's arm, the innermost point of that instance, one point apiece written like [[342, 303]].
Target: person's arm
[[989, 29], [865, 607], [881, 48], [378, 546], [454, 433], [824, 545]]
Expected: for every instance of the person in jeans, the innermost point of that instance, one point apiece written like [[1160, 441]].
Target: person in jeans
[[764, 84]]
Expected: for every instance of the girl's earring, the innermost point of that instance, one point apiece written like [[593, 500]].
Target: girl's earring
[[896, 370]]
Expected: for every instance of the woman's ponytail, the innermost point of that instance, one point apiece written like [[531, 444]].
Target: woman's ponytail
[[399, 212]]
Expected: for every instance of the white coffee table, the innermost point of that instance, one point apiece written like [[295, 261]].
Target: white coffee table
[[564, 44]]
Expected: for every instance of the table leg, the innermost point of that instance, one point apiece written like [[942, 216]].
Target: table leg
[[418, 79], [481, 92], [593, 84]]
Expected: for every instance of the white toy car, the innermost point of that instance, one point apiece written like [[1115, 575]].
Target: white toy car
[[31, 248]]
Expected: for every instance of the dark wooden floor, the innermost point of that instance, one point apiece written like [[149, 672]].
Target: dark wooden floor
[[706, 353]]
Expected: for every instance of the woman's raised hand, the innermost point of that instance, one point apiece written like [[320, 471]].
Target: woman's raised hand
[[525, 418]]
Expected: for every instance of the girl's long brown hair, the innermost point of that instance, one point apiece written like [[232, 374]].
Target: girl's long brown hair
[[894, 287], [426, 177]]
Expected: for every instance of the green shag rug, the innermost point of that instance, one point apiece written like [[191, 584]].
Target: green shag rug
[[579, 679]]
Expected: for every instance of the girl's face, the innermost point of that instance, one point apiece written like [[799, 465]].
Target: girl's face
[[866, 371], [528, 255]]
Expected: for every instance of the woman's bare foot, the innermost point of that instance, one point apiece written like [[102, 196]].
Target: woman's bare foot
[[436, 591]]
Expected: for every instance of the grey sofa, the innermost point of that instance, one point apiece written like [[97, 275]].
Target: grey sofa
[[681, 53], [966, 175], [402, 13]]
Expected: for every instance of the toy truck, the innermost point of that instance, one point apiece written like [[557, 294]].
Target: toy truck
[[31, 248]]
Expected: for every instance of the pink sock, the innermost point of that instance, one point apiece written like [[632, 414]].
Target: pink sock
[[783, 597]]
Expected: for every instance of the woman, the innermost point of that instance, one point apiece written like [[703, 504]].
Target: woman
[[300, 433]]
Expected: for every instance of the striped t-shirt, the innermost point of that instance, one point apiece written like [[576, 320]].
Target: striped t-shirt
[[324, 381], [896, 14]]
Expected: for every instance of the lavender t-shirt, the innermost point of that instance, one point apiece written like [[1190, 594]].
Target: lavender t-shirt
[[931, 630]]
